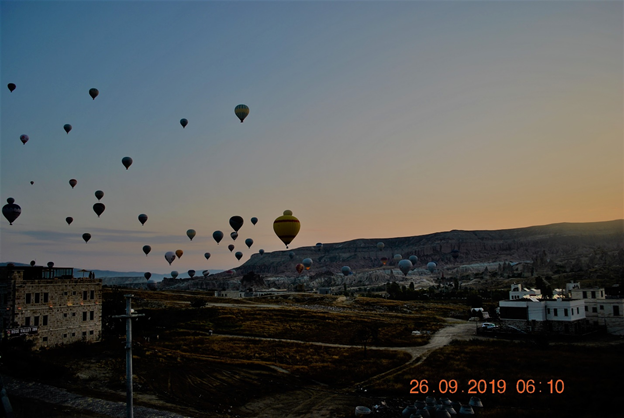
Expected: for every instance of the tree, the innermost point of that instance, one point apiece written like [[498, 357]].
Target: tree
[[365, 335]]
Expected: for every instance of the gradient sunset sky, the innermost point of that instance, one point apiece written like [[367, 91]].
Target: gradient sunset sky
[[367, 120]]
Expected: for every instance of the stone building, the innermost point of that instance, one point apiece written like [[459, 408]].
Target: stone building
[[49, 306]]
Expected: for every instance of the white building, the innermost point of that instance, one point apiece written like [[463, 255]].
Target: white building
[[518, 292]]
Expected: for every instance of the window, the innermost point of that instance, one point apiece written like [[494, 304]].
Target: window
[[593, 294], [45, 339], [585, 308], [616, 310], [602, 293], [91, 332], [45, 298], [28, 298], [64, 335], [602, 307], [584, 294], [548, 311], [84, 316], [37, 297], [565, 312], [73, 334], [91, 315], [594, 309], [73, 313], [84, 333], [556, 312], [64, 315], [64, 293], [92, 295], [36, 321], [84, 295], [577, 310], [27, 321], [45, 320], [74, 293]]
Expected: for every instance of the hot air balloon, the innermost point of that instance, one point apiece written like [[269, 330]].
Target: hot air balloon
[[32, 263], [346, 270], [236, 222], [286, 227], [93, 93], [86, 237], [431, 266], [254, 220], [307, 263], [179, 253], [413, 259], [147, 249], [11, 210], [299, 267], [319, 246], [218, 236], [147, 275], [151, 284], [11, 87], [191, 234], [398, 257], [261, 251], [126, 161], [384, 260], [205, 273], [174, 273], [50, 264], [207, 255], [249, 242], [99, 208], [405, 266], [32, 182], [170, 256], [183, 122], [191, 273], [380, 246], [241, 111], [24, 139], [67, 127], [238, 255], [231, 247], [142, 218], [99, 194], [291, 254], [69, 220], [73, 183], [234, 235]]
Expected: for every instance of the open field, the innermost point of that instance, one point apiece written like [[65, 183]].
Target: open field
[[305, 356]]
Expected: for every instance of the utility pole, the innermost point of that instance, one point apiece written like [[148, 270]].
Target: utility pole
[[129, 317]]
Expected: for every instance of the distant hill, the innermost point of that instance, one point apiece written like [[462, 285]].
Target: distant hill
[[561, 242]]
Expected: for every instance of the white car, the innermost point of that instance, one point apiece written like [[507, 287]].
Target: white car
[[488, 325]]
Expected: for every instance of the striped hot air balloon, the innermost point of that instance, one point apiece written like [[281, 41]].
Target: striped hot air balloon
[[241, 111], [286, 227]]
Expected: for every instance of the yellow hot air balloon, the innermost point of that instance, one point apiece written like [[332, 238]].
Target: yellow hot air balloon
[[241, 111], [286, 227], [179, 253]]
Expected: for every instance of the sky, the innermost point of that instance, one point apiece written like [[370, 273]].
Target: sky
[[367, 119]]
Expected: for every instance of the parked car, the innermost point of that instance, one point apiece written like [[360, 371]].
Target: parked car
[[488, 325]]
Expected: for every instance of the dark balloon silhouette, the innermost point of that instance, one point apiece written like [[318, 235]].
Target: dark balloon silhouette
[[261, 251], [98, 208], [191, 273], [147, 275], [11, 210], [32, 182], [11, 87], [67, 127], [207, 255], [93, 93], [249, 242], [69, 220], [241, 111], [32, 263], [142, 218], [126, 161], [254, 220], [236, 222], [299, 267], [238, 255], [99, 194], [231, 247], [24, 138], [234, 235], [147, 249], [218, 236], [86, 237], [183, 122], [50, 264], [73, 183]]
